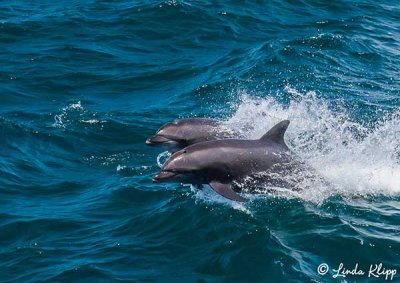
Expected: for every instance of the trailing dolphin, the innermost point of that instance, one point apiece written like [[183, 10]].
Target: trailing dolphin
[[182, 133], [224, 163]]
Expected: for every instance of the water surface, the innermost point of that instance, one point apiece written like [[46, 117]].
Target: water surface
[[84, 83]]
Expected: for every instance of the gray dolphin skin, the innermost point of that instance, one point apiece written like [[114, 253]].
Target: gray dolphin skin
[[223, 163], [182, 133]]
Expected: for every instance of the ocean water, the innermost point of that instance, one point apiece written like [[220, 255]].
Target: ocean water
[[84, 83]]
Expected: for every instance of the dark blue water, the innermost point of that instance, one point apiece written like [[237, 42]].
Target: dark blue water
[[84, 83]]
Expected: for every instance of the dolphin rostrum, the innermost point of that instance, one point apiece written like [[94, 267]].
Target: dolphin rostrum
[[224, 163], [182, 133]]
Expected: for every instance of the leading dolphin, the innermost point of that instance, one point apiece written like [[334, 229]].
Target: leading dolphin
[[177, 135], [222, 163]]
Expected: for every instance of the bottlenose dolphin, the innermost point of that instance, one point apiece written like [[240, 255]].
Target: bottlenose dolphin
[[182, 133], [224, 163]]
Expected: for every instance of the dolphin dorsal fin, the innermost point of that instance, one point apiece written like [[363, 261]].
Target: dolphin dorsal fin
[[276, 133]]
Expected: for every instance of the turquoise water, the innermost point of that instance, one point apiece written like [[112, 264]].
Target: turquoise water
[[84, 83]]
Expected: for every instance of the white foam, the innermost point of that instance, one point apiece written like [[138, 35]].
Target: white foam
[[90, 121], [120, 167], [355, 158]]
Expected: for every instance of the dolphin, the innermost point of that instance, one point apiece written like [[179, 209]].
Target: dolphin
[[223, 164], [177, 135]]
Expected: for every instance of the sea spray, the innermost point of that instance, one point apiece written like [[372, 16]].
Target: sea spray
[[355, 158]]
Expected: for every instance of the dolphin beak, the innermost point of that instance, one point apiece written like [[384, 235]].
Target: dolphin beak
[[163, 175], [157, 140]]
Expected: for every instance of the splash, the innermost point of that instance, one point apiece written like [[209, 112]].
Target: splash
[[162, 157], [76, 114], [206, 194], [355, 159], [61, 120]]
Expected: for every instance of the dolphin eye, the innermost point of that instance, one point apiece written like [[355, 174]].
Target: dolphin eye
[[184, 151]]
